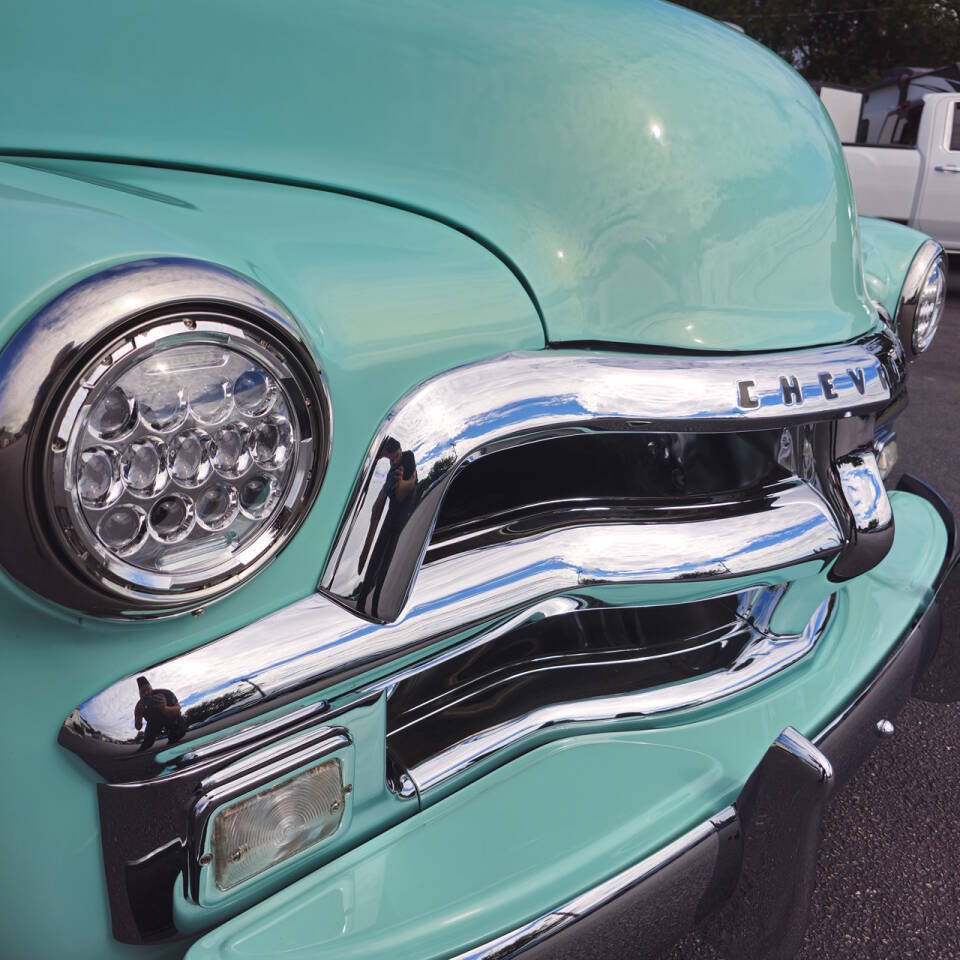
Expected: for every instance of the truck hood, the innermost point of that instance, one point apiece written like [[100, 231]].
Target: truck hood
[[654, 176]]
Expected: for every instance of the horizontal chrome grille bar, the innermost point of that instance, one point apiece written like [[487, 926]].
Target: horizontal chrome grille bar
[[765, 655], [518, 398], [315, 643]]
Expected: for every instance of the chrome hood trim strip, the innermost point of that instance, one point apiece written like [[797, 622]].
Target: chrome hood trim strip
[[315, 643], [517, 398]]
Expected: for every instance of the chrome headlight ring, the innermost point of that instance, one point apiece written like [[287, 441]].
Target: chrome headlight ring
[[164, 430], [922, 298]]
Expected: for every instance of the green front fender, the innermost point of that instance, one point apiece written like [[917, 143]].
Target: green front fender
[[888, 248], [386, 299]]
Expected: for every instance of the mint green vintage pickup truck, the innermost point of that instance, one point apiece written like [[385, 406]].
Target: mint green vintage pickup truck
[[443, 453]]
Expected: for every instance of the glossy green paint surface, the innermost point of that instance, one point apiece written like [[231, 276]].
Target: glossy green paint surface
[[888, 249], [568, 815], [386, 298], [655, 176]]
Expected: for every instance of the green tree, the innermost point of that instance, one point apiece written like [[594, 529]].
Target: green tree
[[848, 41]]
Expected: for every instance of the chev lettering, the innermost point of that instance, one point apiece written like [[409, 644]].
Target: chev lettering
[[792, 391]]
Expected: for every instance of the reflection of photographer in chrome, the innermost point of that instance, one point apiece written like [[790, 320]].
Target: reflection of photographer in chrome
[[161, 710], [397, 494]]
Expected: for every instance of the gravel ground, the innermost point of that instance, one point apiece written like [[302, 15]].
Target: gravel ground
[[888, 876]]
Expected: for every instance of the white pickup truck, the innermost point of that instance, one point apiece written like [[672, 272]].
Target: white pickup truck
[[909, 170]]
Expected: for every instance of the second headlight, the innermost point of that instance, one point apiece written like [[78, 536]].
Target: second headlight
[[923, 298]]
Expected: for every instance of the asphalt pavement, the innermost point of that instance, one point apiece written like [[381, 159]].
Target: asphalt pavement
[[888, 875]]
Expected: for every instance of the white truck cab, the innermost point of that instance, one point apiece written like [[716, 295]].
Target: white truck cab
[[909, 169]]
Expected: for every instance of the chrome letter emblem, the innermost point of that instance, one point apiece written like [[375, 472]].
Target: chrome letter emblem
[[790, 390], [747, 400], [826, 384], [812, 386]]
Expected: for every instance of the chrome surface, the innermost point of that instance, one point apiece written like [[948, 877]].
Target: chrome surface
[[863, 490], [522, 938], [765, 655], [275, 754], [795, 743], [556, 654], [39, 363], [928, 254], [316, 642], [254, 734], [947, 168], [518, 398], [132, 581], [885, 728]]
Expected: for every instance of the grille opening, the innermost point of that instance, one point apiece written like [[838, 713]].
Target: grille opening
[[575, 656], [603, 477]]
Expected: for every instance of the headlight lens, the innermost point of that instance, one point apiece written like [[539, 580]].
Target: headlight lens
[[933, 295], [181, 454], [923, 298]]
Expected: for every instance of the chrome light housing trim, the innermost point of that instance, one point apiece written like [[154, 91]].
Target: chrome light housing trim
[[50, 370], [917, 320]]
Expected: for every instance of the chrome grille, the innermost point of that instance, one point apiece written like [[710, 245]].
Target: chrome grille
[[509, 402]]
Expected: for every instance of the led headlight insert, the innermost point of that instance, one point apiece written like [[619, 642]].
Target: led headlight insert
[[181, 455], [923, 298], [930, 303]]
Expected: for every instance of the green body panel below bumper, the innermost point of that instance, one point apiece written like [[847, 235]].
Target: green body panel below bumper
[[570, 814]]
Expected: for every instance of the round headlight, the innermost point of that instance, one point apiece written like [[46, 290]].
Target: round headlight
[[930, 303], [923, 298], [181, 447]]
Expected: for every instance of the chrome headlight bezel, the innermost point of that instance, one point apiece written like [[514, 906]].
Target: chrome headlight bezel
[[53, 365], [915, 335]]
